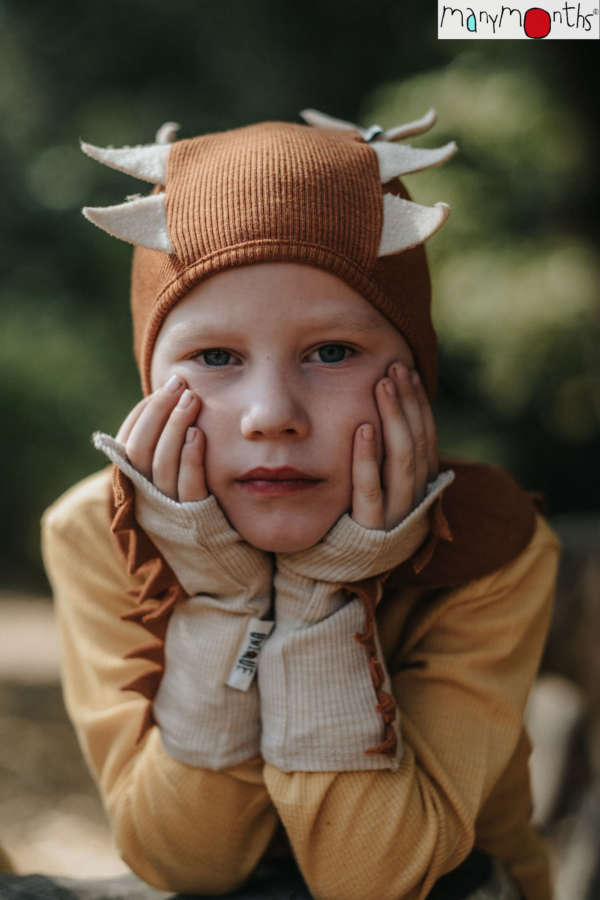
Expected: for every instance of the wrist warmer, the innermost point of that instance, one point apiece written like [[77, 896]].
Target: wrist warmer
[[324, 706], [206, 706]]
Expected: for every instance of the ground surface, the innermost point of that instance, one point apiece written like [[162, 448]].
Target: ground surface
[[51, 818]]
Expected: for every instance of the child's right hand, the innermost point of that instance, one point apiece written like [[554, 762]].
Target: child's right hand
[[161, 443]]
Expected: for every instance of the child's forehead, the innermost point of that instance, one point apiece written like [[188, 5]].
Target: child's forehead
[[282, 302], [303, 294]]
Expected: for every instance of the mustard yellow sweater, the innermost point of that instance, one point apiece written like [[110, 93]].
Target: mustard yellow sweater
[[461, 663]]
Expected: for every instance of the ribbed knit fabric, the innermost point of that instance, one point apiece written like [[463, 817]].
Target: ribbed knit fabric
[[349, 552], [446, 663], [288, 192], [190, 534], [274, 182], [461, 662], [203, 720], [319, 707], [490, 521], [323, 716]]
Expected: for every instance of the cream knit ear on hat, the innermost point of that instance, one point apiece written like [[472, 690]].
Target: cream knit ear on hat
[[407, 224], [374, 132], [140, 220], [143, 221], [393, 161], [148, 162]]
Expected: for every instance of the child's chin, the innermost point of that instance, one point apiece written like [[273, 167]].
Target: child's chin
[[281, 542], [282, 531]]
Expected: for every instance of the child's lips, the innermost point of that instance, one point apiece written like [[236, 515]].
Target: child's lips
[[278, 481], [274, 488], [281, 473]]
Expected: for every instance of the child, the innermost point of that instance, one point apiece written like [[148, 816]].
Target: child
[[337, 652]]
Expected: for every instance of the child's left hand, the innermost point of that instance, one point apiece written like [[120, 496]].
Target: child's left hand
[[410, 454]]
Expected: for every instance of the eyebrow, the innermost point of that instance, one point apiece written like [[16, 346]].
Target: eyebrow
[[345, 321], [360, 325]]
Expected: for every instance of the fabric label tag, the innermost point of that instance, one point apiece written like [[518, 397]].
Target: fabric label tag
[[244, 668]]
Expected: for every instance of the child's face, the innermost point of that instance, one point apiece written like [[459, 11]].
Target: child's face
[[255, 343]]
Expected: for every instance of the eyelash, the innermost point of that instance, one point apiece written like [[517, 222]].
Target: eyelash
[[221, 349]]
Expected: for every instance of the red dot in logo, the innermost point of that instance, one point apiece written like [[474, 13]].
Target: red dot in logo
[[537, 22]]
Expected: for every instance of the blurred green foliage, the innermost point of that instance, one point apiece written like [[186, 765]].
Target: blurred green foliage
[[517, 274], [515, 271]]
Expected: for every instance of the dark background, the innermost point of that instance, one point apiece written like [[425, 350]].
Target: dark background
[[515, 270]]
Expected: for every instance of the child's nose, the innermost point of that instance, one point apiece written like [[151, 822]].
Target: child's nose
[[272, 409]]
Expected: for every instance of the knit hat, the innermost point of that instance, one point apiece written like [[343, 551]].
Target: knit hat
[[326, 193]]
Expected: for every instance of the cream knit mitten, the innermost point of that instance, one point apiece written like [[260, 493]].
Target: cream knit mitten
[[207, 705], [318, 701]]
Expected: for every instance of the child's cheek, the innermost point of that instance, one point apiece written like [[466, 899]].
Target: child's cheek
[[215, 428]]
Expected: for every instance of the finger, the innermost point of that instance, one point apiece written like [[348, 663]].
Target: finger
[[399, 472], [167, 453], [191, 484], [414, 417], [367, 496], [129, 422], [141, 443], [430, 431]]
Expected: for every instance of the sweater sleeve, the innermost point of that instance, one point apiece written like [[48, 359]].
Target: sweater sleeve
[[179, 827], [461, 692]]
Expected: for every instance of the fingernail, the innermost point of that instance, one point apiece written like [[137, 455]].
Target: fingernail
[[185, 399], [415, 377], [173, 384], [367, 432], [191, 435], [390, 388]]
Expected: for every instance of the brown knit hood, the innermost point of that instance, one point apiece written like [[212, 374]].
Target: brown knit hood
[[326, 194]]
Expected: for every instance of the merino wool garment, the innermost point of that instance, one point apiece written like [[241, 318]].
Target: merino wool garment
[[481, 521], [461, 660], [452, 635]]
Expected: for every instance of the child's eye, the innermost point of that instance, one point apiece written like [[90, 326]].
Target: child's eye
[[331, 352], [217, 352]]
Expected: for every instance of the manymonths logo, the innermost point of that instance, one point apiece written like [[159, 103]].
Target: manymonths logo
[[518, 20]]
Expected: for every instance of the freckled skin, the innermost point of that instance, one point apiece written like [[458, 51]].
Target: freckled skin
[[272, 399]]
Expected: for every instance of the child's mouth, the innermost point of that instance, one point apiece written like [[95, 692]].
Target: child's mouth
[[274, 488]]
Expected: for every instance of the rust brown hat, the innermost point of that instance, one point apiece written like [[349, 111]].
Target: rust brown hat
[[326, 193]]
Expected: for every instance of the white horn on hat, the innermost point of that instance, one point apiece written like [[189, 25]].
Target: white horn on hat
[[401, 159], [146, 161], [406, 224], [140, 221], [374, 132]]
